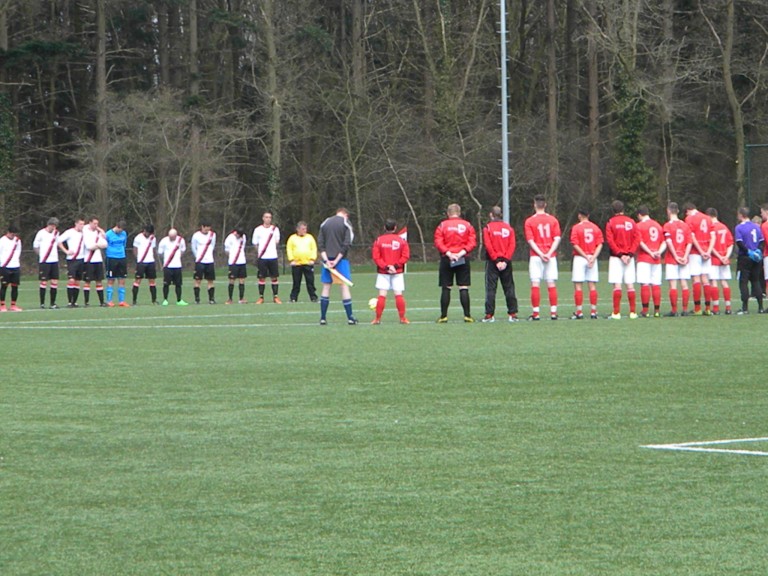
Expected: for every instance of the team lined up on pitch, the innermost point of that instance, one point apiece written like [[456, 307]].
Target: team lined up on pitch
[[696, 254]]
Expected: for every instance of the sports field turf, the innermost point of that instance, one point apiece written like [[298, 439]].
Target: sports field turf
[[249, 440]]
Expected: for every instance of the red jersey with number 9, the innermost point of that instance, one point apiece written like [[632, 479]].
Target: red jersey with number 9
[[652, 235]]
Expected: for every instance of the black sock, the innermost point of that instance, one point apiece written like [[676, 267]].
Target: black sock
[[445, 301], [464, 299]]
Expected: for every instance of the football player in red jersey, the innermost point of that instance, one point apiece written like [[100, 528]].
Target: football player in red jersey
[[677, 235], [650, 250], [587, 242], [542, 232], [390, 253], [499, 241], [721, 263], [701, 255], [623, 240], [455, 238]]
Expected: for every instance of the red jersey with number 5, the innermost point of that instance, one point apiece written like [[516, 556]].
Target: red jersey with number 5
[[587, 236], [542, 229], [679, 235]]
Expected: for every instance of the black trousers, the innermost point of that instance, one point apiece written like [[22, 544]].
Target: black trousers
[[749, 273], [492, 277], [306, 271]]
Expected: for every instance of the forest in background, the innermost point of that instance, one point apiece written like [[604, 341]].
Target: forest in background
[[172, 111]]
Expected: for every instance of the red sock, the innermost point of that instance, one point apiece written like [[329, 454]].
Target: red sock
[[714, 295], [686, 298], [708, 295], [400, 304], [578, 298], [535, 297], [632, 296], [616, 301], [727, 297], [552, 292], [593, 300], [380, 304], [696, 296], [656, 291], [645, 296], [673, 299]]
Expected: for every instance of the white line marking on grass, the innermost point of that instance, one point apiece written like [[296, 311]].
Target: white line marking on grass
[[703, 446]]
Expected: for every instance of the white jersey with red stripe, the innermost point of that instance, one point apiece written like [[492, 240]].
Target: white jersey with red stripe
[[73, 239], [90, 239], [10, 252], [145, 248], [171, 250], [234, 246], [45, 246]]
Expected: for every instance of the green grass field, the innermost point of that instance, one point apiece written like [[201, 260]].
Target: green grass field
[[249, 440]]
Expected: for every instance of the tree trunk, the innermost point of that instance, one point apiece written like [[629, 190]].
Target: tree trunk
[[358, 48], [273, 107], [194, 64], [665, 107], [163, 45], [733, 100], [593, 84], [102, 200], [571, 70]]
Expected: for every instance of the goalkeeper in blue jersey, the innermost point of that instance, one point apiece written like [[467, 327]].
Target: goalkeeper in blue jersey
[[117, 266], [750, 241]]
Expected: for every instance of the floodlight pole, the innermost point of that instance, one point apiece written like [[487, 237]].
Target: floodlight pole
[[504, 112]]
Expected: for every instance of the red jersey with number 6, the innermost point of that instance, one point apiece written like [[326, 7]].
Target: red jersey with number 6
[[679, 235], [542, 229]]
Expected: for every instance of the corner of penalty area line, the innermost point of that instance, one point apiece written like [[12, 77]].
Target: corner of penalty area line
[[714, 446]]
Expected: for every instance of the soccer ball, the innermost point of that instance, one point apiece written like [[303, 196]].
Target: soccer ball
[[372, 303]]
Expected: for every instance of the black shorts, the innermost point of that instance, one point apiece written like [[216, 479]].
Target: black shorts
[[10, 275], [267, 268], [48, 271], [204, 271], [447, 275], [93, 272], [146, 270], [75, 269], [117, 268], [172, 276], [237, 271]]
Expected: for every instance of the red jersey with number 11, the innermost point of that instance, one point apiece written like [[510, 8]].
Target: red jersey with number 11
[[542, 229]]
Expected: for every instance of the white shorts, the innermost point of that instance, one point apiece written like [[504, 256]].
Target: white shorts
[[649, 273], [620, 273], [539, 271], [697, 266], [720, 273], [677, 272], [395, 282], [765, 267], [581, 272]]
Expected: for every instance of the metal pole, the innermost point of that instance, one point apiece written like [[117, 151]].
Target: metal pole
[[504, 113]]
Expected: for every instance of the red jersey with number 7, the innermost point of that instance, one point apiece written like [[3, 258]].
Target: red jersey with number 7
[[723, 240], [543, 229]]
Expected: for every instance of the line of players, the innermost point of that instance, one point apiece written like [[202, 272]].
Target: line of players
[[695, 252], [93, 255]]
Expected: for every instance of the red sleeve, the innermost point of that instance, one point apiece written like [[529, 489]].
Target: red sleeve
[[575, 236], [405, 253], [439, 241], [471, 239], [512, 243], [376, 253], [488, 242], [609, 237], [635, 239]]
